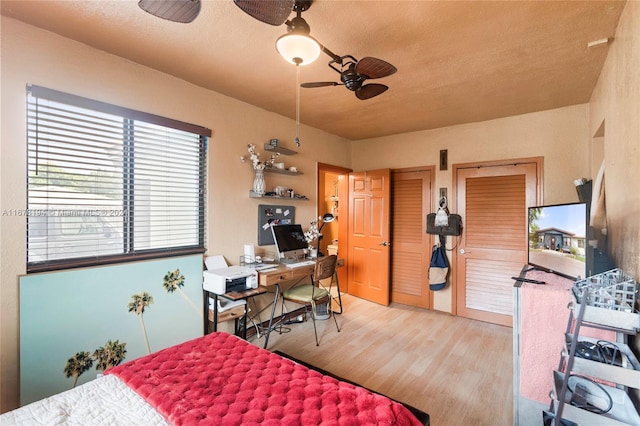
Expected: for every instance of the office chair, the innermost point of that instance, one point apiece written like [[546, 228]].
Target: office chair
[[313, 294]]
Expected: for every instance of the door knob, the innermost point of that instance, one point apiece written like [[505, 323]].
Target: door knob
[[462, 251], [385, 243]]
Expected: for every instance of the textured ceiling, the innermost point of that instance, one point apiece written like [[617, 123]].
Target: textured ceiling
[[458, 61]]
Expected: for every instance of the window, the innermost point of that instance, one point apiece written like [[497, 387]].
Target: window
[[108, 184]]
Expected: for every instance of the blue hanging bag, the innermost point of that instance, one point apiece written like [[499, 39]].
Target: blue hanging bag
[[438, 268]]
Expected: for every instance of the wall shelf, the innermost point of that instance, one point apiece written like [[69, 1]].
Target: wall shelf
[[279, 149], [281, 171], [277, 197]]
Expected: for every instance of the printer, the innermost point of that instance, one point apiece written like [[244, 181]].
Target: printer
[[233, 278]]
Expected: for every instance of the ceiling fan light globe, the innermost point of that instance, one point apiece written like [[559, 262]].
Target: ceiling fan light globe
[[298, 49]]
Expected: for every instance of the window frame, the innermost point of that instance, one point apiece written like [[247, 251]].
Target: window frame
[[197, 134]]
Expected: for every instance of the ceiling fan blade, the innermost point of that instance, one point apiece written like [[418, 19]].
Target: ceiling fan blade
[[183, 11], [272, 12], [374, 68], [368, 91], [319, 84]]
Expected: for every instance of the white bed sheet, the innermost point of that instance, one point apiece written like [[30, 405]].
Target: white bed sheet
[[103, 401]]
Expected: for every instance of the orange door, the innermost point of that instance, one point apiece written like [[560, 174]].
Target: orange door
[[411, 245], [493, 204], [368, 245]]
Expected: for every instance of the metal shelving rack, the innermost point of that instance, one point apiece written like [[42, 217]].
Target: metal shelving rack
[[604, 301]]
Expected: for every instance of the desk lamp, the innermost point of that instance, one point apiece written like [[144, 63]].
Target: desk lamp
[[328, 217]]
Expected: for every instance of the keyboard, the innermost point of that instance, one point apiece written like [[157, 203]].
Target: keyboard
[[300, 264]]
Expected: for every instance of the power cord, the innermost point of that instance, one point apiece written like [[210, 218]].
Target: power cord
[[609, 352], [582, 395]]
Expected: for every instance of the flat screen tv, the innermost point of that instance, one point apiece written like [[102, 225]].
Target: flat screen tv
[[557, 239], [290, 242]]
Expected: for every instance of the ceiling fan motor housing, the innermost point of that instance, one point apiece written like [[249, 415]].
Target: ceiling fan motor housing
[[302, 5], [351, 79], [298, 25]]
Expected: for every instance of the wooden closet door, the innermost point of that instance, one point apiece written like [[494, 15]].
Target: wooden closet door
[[493, 204], [411, 201]]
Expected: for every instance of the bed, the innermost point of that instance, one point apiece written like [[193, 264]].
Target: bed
[[217, 379]]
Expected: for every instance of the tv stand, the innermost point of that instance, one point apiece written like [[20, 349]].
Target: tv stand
[[530, 268]]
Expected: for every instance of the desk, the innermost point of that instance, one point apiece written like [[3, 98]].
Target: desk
[[269, 277], [280, 274], [273, 277], [266, 278], [232, 313]]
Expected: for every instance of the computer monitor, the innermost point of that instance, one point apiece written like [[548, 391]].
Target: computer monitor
[[290, 242]]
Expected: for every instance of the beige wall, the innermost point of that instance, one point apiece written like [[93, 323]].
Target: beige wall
[[30, 55], [560, 136], [616, 102]]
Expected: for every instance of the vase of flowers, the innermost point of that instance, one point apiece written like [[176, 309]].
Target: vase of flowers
[[311, 235], [259, 185]]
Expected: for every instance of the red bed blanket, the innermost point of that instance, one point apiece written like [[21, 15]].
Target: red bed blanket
[[219, 379]]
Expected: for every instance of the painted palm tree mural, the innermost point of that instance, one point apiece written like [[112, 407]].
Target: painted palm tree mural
[[173, 281], [78, 364], [100, 327], [139, 302], [109, 355], [106, 356]]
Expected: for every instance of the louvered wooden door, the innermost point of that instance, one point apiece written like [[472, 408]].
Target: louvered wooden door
[[410, 244], [493, 203]]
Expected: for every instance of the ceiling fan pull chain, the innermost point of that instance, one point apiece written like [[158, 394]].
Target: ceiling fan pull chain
[[297, 139]]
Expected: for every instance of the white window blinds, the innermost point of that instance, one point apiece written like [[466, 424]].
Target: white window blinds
[[107, 183]]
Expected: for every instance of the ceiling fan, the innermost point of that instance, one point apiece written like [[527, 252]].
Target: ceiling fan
[[353, 74], [273, 12], [183, 11]]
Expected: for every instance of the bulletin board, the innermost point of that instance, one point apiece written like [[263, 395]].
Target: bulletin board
[[268, 215]]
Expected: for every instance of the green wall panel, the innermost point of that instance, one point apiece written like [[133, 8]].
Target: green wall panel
[[63, 313]]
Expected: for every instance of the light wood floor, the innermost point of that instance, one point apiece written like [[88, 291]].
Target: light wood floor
[[457, 370]]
